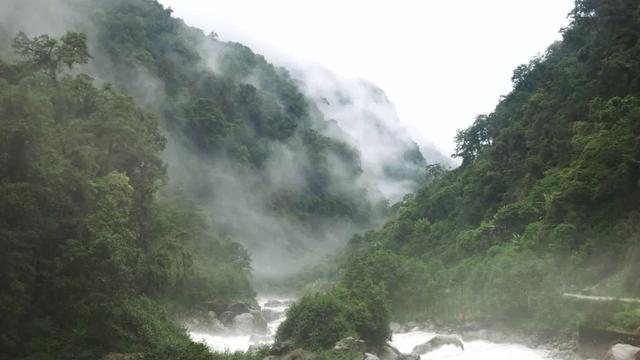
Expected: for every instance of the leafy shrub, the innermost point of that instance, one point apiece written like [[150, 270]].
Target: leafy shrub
[[318, 321]]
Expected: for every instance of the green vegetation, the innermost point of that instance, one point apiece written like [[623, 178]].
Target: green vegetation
[[235, 106], [320, 320], [547, 197], [89, 248]]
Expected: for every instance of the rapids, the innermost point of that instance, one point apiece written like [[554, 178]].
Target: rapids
[[476, 350]]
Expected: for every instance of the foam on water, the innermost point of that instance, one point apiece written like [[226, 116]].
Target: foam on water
[[233, 342], [476, 350]]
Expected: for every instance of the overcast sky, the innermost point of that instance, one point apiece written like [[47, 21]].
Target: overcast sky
[[441, 62]]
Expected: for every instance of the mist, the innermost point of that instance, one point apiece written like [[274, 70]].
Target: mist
[[381, 166]]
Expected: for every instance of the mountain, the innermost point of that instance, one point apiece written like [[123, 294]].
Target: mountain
[[546, 201], [392, 162], [258, 154], [145, 166]]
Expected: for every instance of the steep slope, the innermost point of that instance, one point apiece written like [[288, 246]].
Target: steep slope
[[90, 248], [547, 198], [392, 162], [243, 140]]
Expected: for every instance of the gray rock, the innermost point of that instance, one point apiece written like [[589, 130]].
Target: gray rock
[[217, 306], [244, 322], [277, 303], [271, 315], [282, 347], [437, 342], [623, 352], [260, 325], [349, 344], [227, 318], [215, 325], [368, 356], [395, 327], [408, 357], [388, 352], [239, 308]]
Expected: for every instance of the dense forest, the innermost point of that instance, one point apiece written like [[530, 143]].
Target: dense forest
[[546, 201], [147, 168], [137, 154]]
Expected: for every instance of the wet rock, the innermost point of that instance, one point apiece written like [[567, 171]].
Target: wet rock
[[368, 356], [259, 322], [271, 315], [215, 325], [408, 357], [388, 352], [277, 303], [282, 347], [437, 342], [244, 322], [217, 306], [623, 352], [239, 308], [227, 318], [349, 344]]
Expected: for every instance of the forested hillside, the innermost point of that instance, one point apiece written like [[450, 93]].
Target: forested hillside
[[547, 197], [136, 155], [243, 142], [89, 247]]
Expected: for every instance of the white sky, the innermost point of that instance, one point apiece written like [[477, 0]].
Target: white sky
[[441, 62]]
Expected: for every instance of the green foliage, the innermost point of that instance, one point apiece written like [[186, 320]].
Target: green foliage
[[88, 248], [546, 199], [318, 321], [49, 54]]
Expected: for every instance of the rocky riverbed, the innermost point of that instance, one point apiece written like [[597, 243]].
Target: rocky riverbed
[[236, 328]]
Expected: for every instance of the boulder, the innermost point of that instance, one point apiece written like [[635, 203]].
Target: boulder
[[215, 325], [623, 352], [277, 303], [244, 322], [437, 342], [388, 352], [271, 315], [227, 318], [260, 325], [217, 306], [123, 356], [239, 308], [349, 344]]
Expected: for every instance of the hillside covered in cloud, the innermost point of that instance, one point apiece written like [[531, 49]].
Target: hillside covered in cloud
[[289, 168]]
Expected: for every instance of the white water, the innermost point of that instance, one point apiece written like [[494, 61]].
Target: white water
[[233, 342], [476, 350]]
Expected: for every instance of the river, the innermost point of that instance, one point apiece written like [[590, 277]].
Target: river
[[405, 341]]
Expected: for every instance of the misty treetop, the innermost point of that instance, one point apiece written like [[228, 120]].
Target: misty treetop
[[86, 241]]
